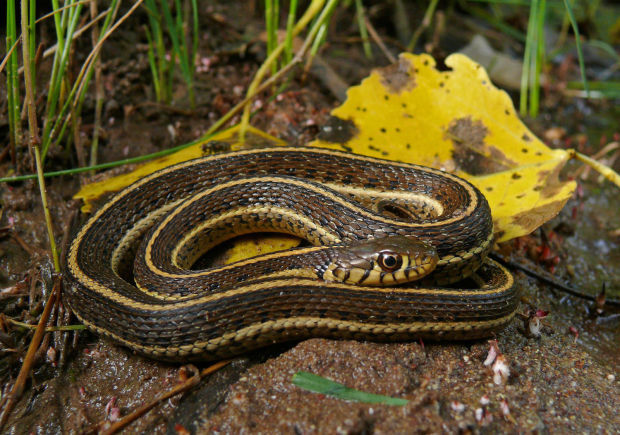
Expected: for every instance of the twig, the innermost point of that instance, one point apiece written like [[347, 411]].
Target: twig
[[267, 83], [375, 36], [361, 18], [605, 171], [47, 329], [20, 382], [191, 382], [21, 242], [550, 281], [6, 150], [584, 171], [426, 21]]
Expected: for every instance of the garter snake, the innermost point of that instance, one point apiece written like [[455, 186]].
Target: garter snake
[[388, 221]]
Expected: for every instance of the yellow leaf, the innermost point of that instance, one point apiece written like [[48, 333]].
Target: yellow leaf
[[458, 121], [252, 245]]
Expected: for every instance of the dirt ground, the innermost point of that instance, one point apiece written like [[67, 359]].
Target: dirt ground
[[565, 380]]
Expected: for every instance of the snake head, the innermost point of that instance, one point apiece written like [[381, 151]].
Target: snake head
[[382, 262]]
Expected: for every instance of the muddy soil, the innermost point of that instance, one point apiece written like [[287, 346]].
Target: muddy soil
[[565, 380]]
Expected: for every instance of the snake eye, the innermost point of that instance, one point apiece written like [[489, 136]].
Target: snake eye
[[389, 261]]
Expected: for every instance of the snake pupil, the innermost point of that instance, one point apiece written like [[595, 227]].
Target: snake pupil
[[390, 261]]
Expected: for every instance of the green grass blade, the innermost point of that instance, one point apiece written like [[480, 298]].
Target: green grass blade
[[318, 384], [428, 16], [180, 51], [606, 89], [290, 24], [527, 59], [318, 30], [538, 58], [108, 165], [497, 23], [33, 42], [61, 62], [271, 27], [61, 122], [173, 32], [111, 14], [573, 23], [12, 79], [195, 29], [607, 48], [276, 20], [361, 23], [156, 46], [321, 35], [153, 64], [506, 2]]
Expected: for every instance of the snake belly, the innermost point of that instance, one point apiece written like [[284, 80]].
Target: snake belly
[[350, 198]]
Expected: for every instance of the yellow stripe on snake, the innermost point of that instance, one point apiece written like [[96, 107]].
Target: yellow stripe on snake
[[373, 225]]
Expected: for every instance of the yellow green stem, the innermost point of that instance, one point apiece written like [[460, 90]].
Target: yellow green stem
[[310, 13], [34, 131], [605, 171]]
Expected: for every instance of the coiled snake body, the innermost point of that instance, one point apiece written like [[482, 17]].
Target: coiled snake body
[[372, 222]]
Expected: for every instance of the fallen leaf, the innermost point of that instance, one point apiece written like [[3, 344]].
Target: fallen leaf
[[454, 120]]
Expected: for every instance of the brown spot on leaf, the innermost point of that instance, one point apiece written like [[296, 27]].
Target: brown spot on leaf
[[253, 140], [398, 77], [526, 137], [550, 182], [533, 218], [471, 153], [215, 146], [499, 234], [338, 130]]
